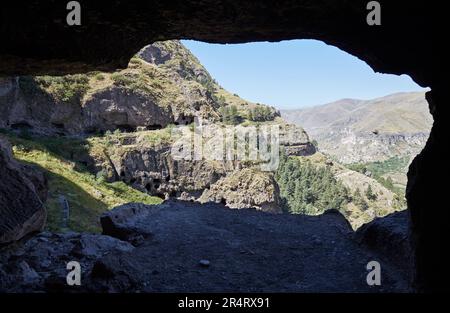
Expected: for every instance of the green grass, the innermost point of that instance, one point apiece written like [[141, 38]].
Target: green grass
[[381, 168], [88, 197]]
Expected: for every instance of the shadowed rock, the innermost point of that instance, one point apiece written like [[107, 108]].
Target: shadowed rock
[[21, 209], [389, 235], [36, 36], [39, 264], [200, 248], [125, 222]]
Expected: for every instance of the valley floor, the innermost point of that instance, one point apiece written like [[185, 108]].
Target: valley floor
[[168, 245]]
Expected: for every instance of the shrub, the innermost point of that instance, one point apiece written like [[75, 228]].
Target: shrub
[[261, 114], [369, 194], [69, 88], [101, 176], [230, 115], [135, 60], [359, 201], [131, 81], [99, 76]]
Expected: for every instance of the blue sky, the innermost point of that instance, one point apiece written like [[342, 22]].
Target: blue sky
[[294, 74]]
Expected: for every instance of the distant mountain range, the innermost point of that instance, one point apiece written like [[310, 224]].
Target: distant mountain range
[[362, 131]]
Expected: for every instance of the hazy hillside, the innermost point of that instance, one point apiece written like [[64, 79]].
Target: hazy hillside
[[367, 130], [378, 138]]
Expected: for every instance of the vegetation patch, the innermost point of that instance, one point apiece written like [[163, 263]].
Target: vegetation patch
[[380, 171], [87, 195], [307, 189], [69, 88]]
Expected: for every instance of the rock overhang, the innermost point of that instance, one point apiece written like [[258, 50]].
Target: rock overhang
[[36, 38]]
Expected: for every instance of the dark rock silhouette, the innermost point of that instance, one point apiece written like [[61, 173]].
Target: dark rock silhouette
[[22, 192], [390, 236]]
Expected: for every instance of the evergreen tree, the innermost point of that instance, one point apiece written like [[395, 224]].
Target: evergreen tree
[[230, 114], [308, 189], [369, 194], [359, 201]]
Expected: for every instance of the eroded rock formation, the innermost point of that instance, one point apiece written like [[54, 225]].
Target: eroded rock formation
[[147, 95], [246, 188]]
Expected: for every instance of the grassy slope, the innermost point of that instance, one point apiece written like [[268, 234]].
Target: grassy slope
[[88, 197], [394, 168]]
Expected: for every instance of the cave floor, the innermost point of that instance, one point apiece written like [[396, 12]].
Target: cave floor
[[247, 251]]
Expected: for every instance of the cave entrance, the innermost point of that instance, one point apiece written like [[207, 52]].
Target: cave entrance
[[402, 45], [366, 127], [355, 118]]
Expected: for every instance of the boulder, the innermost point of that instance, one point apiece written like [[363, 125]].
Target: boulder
[[390, 236], [40, 263], [125, 222], [22, 192], [295, 141], [246, 188]]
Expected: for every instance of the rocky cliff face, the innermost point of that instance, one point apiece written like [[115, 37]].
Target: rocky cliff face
[[149, 94], [22, 193], [156, 172], [164, 84], [148, 165]]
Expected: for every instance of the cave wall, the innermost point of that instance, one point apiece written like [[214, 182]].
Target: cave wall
[[428, 178], [35, 40]]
